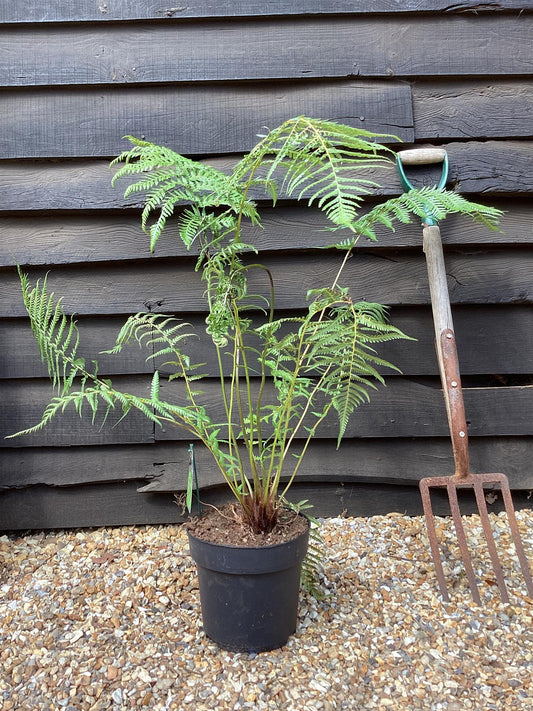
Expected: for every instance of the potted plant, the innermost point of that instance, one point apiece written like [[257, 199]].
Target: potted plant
[[280, 378]]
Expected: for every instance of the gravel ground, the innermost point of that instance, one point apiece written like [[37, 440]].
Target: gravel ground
[[110, 619]]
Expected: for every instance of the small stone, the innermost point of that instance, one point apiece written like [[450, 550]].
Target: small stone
[[145, 676], [112, 672], [117, 696]]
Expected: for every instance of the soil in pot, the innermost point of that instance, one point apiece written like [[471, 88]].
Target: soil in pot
[[224, 526], [249, 585]]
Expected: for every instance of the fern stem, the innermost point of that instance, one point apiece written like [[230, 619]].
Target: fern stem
[[304, 450], [257, 409], [248, 432], [233, 445]]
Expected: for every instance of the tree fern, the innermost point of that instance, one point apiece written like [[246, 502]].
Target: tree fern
[[320, 362]]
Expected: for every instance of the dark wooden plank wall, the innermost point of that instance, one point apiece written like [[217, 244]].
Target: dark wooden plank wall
[[206, 79], [25, 11]]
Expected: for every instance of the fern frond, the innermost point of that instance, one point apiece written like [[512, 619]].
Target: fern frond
[[319, 160], [313, 562], [57, 336], [336, 325], [170, 179], [422, 202]]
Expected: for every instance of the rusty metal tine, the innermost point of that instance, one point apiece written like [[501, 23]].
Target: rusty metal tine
[[432, 535], [489, 537], [517, 540], [461, 539]]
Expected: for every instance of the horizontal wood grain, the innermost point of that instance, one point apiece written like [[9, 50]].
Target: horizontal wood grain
[[69, 466], [364, 461], [24, 401], [116, 504], [162, 468], [383, 499], [211, 119], [459, 109], [476, 277], [227, 119], [281, 48], [85, 238], [490, 167], [40, 508], [405, 408], [25, 11], [492, 340]]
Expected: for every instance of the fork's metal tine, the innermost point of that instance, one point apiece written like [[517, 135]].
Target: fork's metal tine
[[461, 539], [432, 535], [489, 537], [475, 481], [517, 540]]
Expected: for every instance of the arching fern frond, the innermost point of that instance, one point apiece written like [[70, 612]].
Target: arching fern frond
[[56, 335], [319, 160], [58, 340], [164, 336], [347, 331], [153, 330], [420, 203], [170, 179], [336, 325]]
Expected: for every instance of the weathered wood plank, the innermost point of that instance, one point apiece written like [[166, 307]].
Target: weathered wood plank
[[492, 340], [212, 119], [25, 11], [387, 277], [481, 352], [19, 354], [68, 239], [403, 409], [163, 468], [116, 504], [491, 167], [364, 461], [382, 499], [282, 48], [41, 508], [484, 174], [68, 466], [447, 110], [23, 403]]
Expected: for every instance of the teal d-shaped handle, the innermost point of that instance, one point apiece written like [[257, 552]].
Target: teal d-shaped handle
[[422, 156]]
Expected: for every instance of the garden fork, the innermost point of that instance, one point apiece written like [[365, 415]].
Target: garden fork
[[446, 350]]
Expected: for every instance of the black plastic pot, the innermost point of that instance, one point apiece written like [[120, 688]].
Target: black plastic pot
[[249, 596]]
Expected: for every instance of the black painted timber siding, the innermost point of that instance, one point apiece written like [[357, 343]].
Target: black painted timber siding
[[206, 79]]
